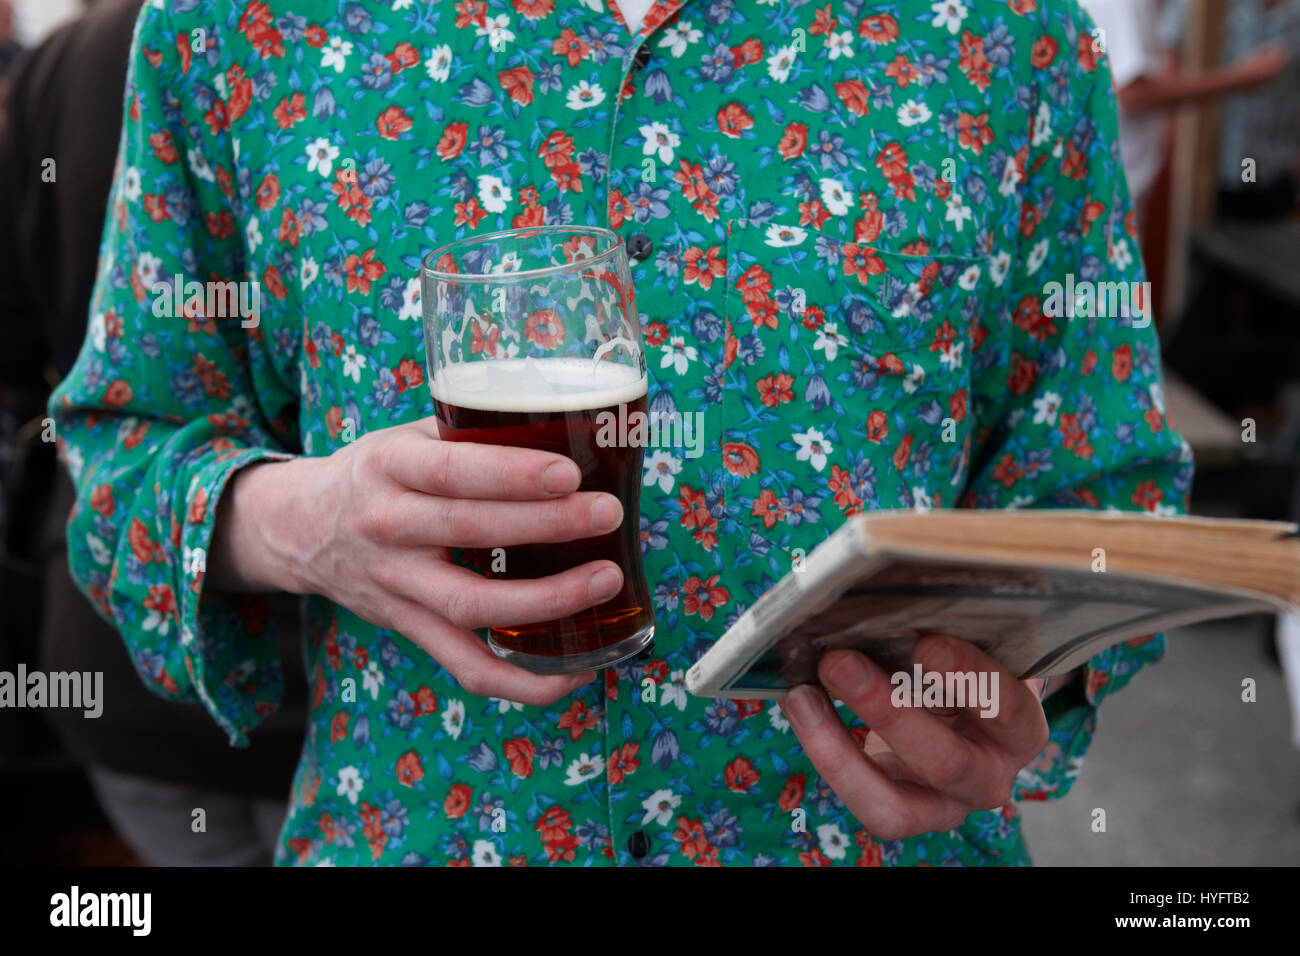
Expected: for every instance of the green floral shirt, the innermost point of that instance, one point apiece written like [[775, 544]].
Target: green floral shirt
[[845, 219]]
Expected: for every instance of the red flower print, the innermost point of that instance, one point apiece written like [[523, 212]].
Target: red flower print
[[554, 824], [1030, 318], [392, 123], [1023, 7], [862, 262], [456, 805], [409, 374], [733, 120], [703, 597], [101, 499], [814, 858], [426, 701], [973, 132], [690, 834], [241, 94], [570, 46], [792, 793], [823, 22], [577, 720], [957, 406], [1043, 52], [1007, 471], [567, 177], [518, 83], [292, 110], [877, 427], [161, 144], [854, 96], [776, 389], [118, 393], [403, 57], [452, 140], [1023, 374], [1121, 365], [362, 270], [740, 775], [767, 507], [622, 763], [316, 36], [793, 141], [841, 486], [879, 29], [739, 459], [703, 267], [903, 452], [220, 225], [556, 149], [338, 726], [470, 12], [902, 71], [519, 753], [1147, 496], [750, 51], [543, 329], [1089, 52], [409, 769]]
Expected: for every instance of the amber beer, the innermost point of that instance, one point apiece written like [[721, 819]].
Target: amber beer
[[560, 405]]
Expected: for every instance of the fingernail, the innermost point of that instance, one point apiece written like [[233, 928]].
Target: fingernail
[[604, 584], [561, 477], [607, 512], [849, 675], [805, 705]]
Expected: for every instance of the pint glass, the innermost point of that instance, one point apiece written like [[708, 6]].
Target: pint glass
[[532, 340]]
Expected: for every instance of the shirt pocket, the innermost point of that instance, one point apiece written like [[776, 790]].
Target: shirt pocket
[[847, 380]]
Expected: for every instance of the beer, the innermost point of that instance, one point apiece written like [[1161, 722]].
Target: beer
[[561, 405]]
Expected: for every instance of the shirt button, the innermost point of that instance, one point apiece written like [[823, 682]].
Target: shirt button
[[638, 845], [639, 246], [642, 57]]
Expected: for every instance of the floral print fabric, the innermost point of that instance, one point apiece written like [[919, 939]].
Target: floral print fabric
[[845, 216]]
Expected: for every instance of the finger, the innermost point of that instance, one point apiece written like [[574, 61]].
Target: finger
[[891, 810], [471, 470], [416, 519], [1018, 726], [930, 750], [470, 601], [477, 669]]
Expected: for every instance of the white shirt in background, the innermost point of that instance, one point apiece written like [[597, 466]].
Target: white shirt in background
[[634, 12]]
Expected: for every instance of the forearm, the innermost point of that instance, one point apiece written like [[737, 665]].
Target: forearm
[[1171, 90]]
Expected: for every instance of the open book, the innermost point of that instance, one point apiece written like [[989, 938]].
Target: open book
[[1039, 591]]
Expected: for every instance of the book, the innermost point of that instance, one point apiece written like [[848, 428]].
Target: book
[[1041, 592]]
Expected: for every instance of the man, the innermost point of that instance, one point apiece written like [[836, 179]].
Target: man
[[911, 177]]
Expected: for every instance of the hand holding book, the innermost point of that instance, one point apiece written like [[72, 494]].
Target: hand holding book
[[920, 769]]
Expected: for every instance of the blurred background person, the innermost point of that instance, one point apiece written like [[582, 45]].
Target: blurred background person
[[151, 762], [1150, 85]]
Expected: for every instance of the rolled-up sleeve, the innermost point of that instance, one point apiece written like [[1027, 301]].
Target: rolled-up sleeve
[[1069, 409], [165, 404]]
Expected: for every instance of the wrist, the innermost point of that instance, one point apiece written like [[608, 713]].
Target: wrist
[[260, 516]]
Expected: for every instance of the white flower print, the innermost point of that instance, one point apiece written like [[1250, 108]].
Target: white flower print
[[913, 113], [659, 807], [678, 355], [948, 15], [839, 44], [779, 236], [453, 718], [350, 783], [834, 196], [1046, 407], [410, 300], [780, 63], [493, 193], [131, 184], [679, 36], [584, 96], [438, 66], [832, 841], [309, 271], [320, 156], [813, 447], [829, 340], [586, 767], [660, 469], [335, 54], [485, 853], [660, 140]]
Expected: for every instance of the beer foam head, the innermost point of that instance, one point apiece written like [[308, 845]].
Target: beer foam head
[[537, 385]]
